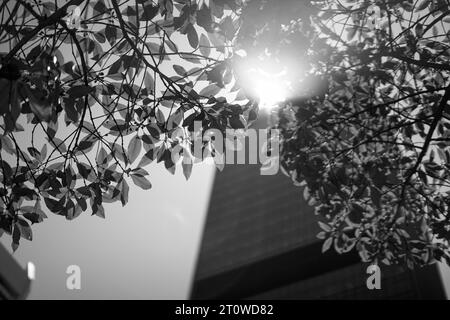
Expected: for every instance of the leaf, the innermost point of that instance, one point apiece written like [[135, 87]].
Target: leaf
[[351, 32], [312, 201], [116, 67], [147, 142], [71, 112], [100, 36], [327, 244], [85, 190], [102, 157], [175, 119], [422, 5], [34, 53], [237, 122], [150, 12], [160, 116], [25, 229], [100, 7], [79, 91], [71, 212], [7, 144], [119, 153], [375, 194], [15, 237], [149, 82], [180, 70], [32, 217], [228, 28], [146, 159], [154, 131], [141, 182], [50, 6], [111, 34], [100, 212], [53, 205], [171, 45], [205, 45], [6, 170], [58, 144], [215, 75], [325, 227], [422, 176], [210, 90], [192, 36], [34, 152], [187, 167], [134, 148], [168, 163], [38, 103], [70, 177], [83, 169], [190, 57], [306, 194], [321, 235], [82, 203], [33, 213], [204, 18], [139, 172], [124, 193]]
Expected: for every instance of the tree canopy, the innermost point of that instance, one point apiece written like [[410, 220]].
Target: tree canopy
[[367, 132], [94, 91]]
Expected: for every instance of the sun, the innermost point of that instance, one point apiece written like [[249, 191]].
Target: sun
[[263, 80], [270, 91]]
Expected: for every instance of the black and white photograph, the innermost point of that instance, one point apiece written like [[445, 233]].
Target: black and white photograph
[[202, 151]]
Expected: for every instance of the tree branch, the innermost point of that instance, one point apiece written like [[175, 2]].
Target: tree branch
[[437, 117], [54, 18], [420, 63]]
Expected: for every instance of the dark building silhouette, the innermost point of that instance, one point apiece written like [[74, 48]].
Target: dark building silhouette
[[14, 281], [259, 242]]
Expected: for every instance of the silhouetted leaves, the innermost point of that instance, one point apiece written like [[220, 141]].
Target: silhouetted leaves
[[192, 36], [210, 90], [368, 144], [134, 148], [187, 167], [204, 45], [79, 91], [149, 12], [141, 181]]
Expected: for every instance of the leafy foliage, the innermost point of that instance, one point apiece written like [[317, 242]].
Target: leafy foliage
[[368, 134], [89, 98], [96, 91]]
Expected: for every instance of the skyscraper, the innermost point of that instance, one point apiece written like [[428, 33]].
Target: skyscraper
[[259, 241], [14, 281]]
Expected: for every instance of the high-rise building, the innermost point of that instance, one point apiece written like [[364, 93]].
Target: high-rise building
[[259, 241], [15, 282]]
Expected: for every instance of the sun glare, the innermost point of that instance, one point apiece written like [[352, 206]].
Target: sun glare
[[264, 81], [270, 92]]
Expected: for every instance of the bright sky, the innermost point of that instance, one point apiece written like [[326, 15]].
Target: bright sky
[[146, 250]]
